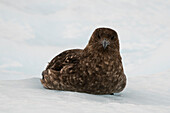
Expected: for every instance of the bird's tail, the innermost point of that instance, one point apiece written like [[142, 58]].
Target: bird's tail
[[49, 78]]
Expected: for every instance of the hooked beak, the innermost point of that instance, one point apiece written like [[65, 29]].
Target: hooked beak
[[105, 43]]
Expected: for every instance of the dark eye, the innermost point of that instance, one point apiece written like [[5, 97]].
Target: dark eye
[[98, 36], [112, 37]]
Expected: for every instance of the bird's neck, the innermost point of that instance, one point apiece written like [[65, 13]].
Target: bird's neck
[[103, 55]]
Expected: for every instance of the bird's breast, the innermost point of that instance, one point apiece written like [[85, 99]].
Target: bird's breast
[[100, 66], [103, 73]]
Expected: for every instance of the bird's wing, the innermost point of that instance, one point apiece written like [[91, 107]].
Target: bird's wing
[[65, 58], [59, 64]]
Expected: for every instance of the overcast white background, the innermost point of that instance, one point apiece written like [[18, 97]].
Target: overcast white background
[[32, 32]]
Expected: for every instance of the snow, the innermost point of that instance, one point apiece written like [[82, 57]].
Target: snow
[[143, 94]]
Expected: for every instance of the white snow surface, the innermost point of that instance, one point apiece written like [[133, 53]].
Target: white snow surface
[[143, 94]]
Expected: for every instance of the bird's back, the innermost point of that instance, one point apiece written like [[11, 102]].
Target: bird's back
[[65, 58]]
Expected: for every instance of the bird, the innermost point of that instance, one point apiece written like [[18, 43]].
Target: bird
[[97, 69]]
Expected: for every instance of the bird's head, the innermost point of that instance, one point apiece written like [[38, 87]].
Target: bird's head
[[104, 39]]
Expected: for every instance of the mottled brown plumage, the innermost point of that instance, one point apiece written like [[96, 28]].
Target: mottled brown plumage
[[97, 69]]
